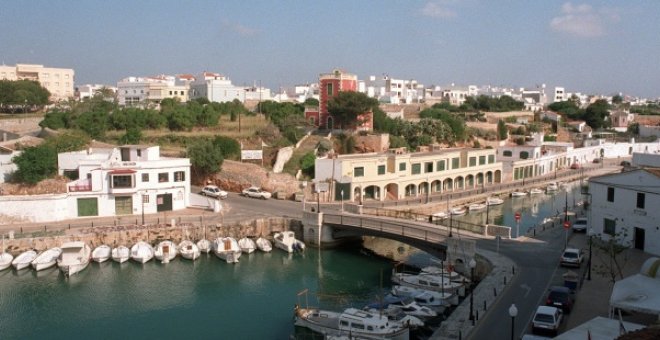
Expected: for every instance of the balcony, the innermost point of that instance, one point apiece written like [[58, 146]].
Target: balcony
[[81, 185]]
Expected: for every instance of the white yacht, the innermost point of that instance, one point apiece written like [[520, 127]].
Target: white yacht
[[492, 200], [226, 248], [287, 241], [458, 211], [477, 206], [552, 187], [74, 258], [204, 245], [5, 257], [247, 245], [519, 194], [429, 282], [425, 297], [535, 191], [189, 250], [24, 259], [46, 259], [351, 322], [121, 254], [165, 251], [264, 245], [142, 252], [395, 304], [102, 253]]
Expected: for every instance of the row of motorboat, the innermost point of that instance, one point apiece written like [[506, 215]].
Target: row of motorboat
[[550, 188], [460, 211], [73, 257]]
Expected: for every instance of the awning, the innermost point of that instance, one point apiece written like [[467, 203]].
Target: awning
[[122, 171]]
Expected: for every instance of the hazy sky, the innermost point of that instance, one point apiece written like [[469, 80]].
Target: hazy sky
[[586, 46]]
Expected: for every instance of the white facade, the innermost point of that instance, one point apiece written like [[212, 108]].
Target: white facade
[[90, 90], [560, 94], [625, 206], [58, 81], [145, 90], [646, 159], [218, 88]]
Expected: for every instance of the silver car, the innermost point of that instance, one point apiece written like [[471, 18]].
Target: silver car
[[255, 192], [214, 191]]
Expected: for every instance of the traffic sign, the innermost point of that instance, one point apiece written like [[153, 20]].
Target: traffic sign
[[567, 224], [517, 216]]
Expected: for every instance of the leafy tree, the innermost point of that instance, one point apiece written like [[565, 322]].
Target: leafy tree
[[94, 123], [21, 93], [229, 147], [56, 119], [205, 158], [132, 136], [502, 132], [307, 163], [311, 102], [617, 99], [568, 108], [35, 164], [67, 142], [596, 113], [633, 129], [347, 106]]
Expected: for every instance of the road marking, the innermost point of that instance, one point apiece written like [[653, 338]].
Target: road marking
[[527, 288]]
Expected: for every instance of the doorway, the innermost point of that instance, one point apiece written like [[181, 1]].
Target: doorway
[[639, 238], [164, 202]]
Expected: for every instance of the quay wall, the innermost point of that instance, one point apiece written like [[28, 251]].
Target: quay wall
[[128, 235]]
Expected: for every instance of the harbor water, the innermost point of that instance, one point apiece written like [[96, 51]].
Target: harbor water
[[210, 299]]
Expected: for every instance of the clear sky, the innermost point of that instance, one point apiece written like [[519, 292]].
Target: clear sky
[[586, 46]]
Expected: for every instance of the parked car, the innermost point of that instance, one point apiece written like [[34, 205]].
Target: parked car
[[575, 166], [571, 257], [580, 225], [547, 319], [596, 160], [255, 192], [625, 163], [560, 297], [214, 191]]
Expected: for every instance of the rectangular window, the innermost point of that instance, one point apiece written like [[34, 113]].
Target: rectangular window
[[428, 167], [163, 177], [358, 171], [610, 194], [491, 159], [402, 166], [609, 226], [139, 152], [122, 181], [145, 198], [381, 169], [440, 166], [482, 160], [329, 92], [455, 163], [473, 161], [145, 177], [416, 169], [179, 176], [641, 198]]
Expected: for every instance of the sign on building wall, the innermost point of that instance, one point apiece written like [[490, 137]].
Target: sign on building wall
[[251, 154]]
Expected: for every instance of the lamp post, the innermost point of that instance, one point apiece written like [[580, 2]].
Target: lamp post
[[513, 312], [472, 265], [342, 200]]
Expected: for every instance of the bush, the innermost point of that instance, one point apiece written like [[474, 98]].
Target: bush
[[35, 164]]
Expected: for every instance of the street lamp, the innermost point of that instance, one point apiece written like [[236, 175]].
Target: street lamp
[[342, 200], [513, 312], [472, 265]]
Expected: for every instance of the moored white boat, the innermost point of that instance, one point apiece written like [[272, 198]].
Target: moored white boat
[[435, 283], [425, 297], [451, 274], [204, 245], [165, 251], [535, 191], [552, 187], [247, 245], [518, 194], [458, 211], [121, 254], [46, 259], [142, 252], [74, 258], [5, 257], [441, 214], [226, 248], [394, 304], [492, 200], [102, 253], [287, 241], [264, 245], [351, 322], [189, 250], [24, 259], [477, 206]]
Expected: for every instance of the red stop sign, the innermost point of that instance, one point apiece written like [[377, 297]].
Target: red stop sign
[[567, 224], [517, 216]]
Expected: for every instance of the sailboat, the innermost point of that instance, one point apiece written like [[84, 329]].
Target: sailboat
[[5, 257], [204, 244]]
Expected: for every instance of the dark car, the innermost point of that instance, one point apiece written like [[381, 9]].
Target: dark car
[[625, 163], [560, 297]]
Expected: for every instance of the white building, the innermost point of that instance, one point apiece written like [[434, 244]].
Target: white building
[[151, 90], [58, 81], [560, 94], [625, 206], [87, 91], [218, 88], [393, 91]]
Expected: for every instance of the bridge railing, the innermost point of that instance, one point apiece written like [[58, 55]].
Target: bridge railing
[[426, 233], [409, 215]]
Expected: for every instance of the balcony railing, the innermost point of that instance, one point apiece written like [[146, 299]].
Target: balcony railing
[[80, 186]]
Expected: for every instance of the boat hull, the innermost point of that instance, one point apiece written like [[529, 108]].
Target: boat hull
[[121, 254], [229, 256], [5, 260], [24, 260], [264, 245], [327, 323], [101, 254], [142, 252]]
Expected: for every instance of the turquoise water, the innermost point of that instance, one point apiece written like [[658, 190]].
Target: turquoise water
[[205, 299]]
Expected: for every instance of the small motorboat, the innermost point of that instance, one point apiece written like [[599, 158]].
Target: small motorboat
[[425, 297], [204, 245], [142, 252], [494, 201], [24, 259], [226, 248], [247, 245], [551, 187], [458, 211], [518, 194], [477, 206], [121, 254], [535, 191], [287, 241], [5, 257], [74, 258], [46, 259], [165, 251], [395, 304], [441, 214], [102, 253], [264, 245], [351, 323], [189, 250]]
